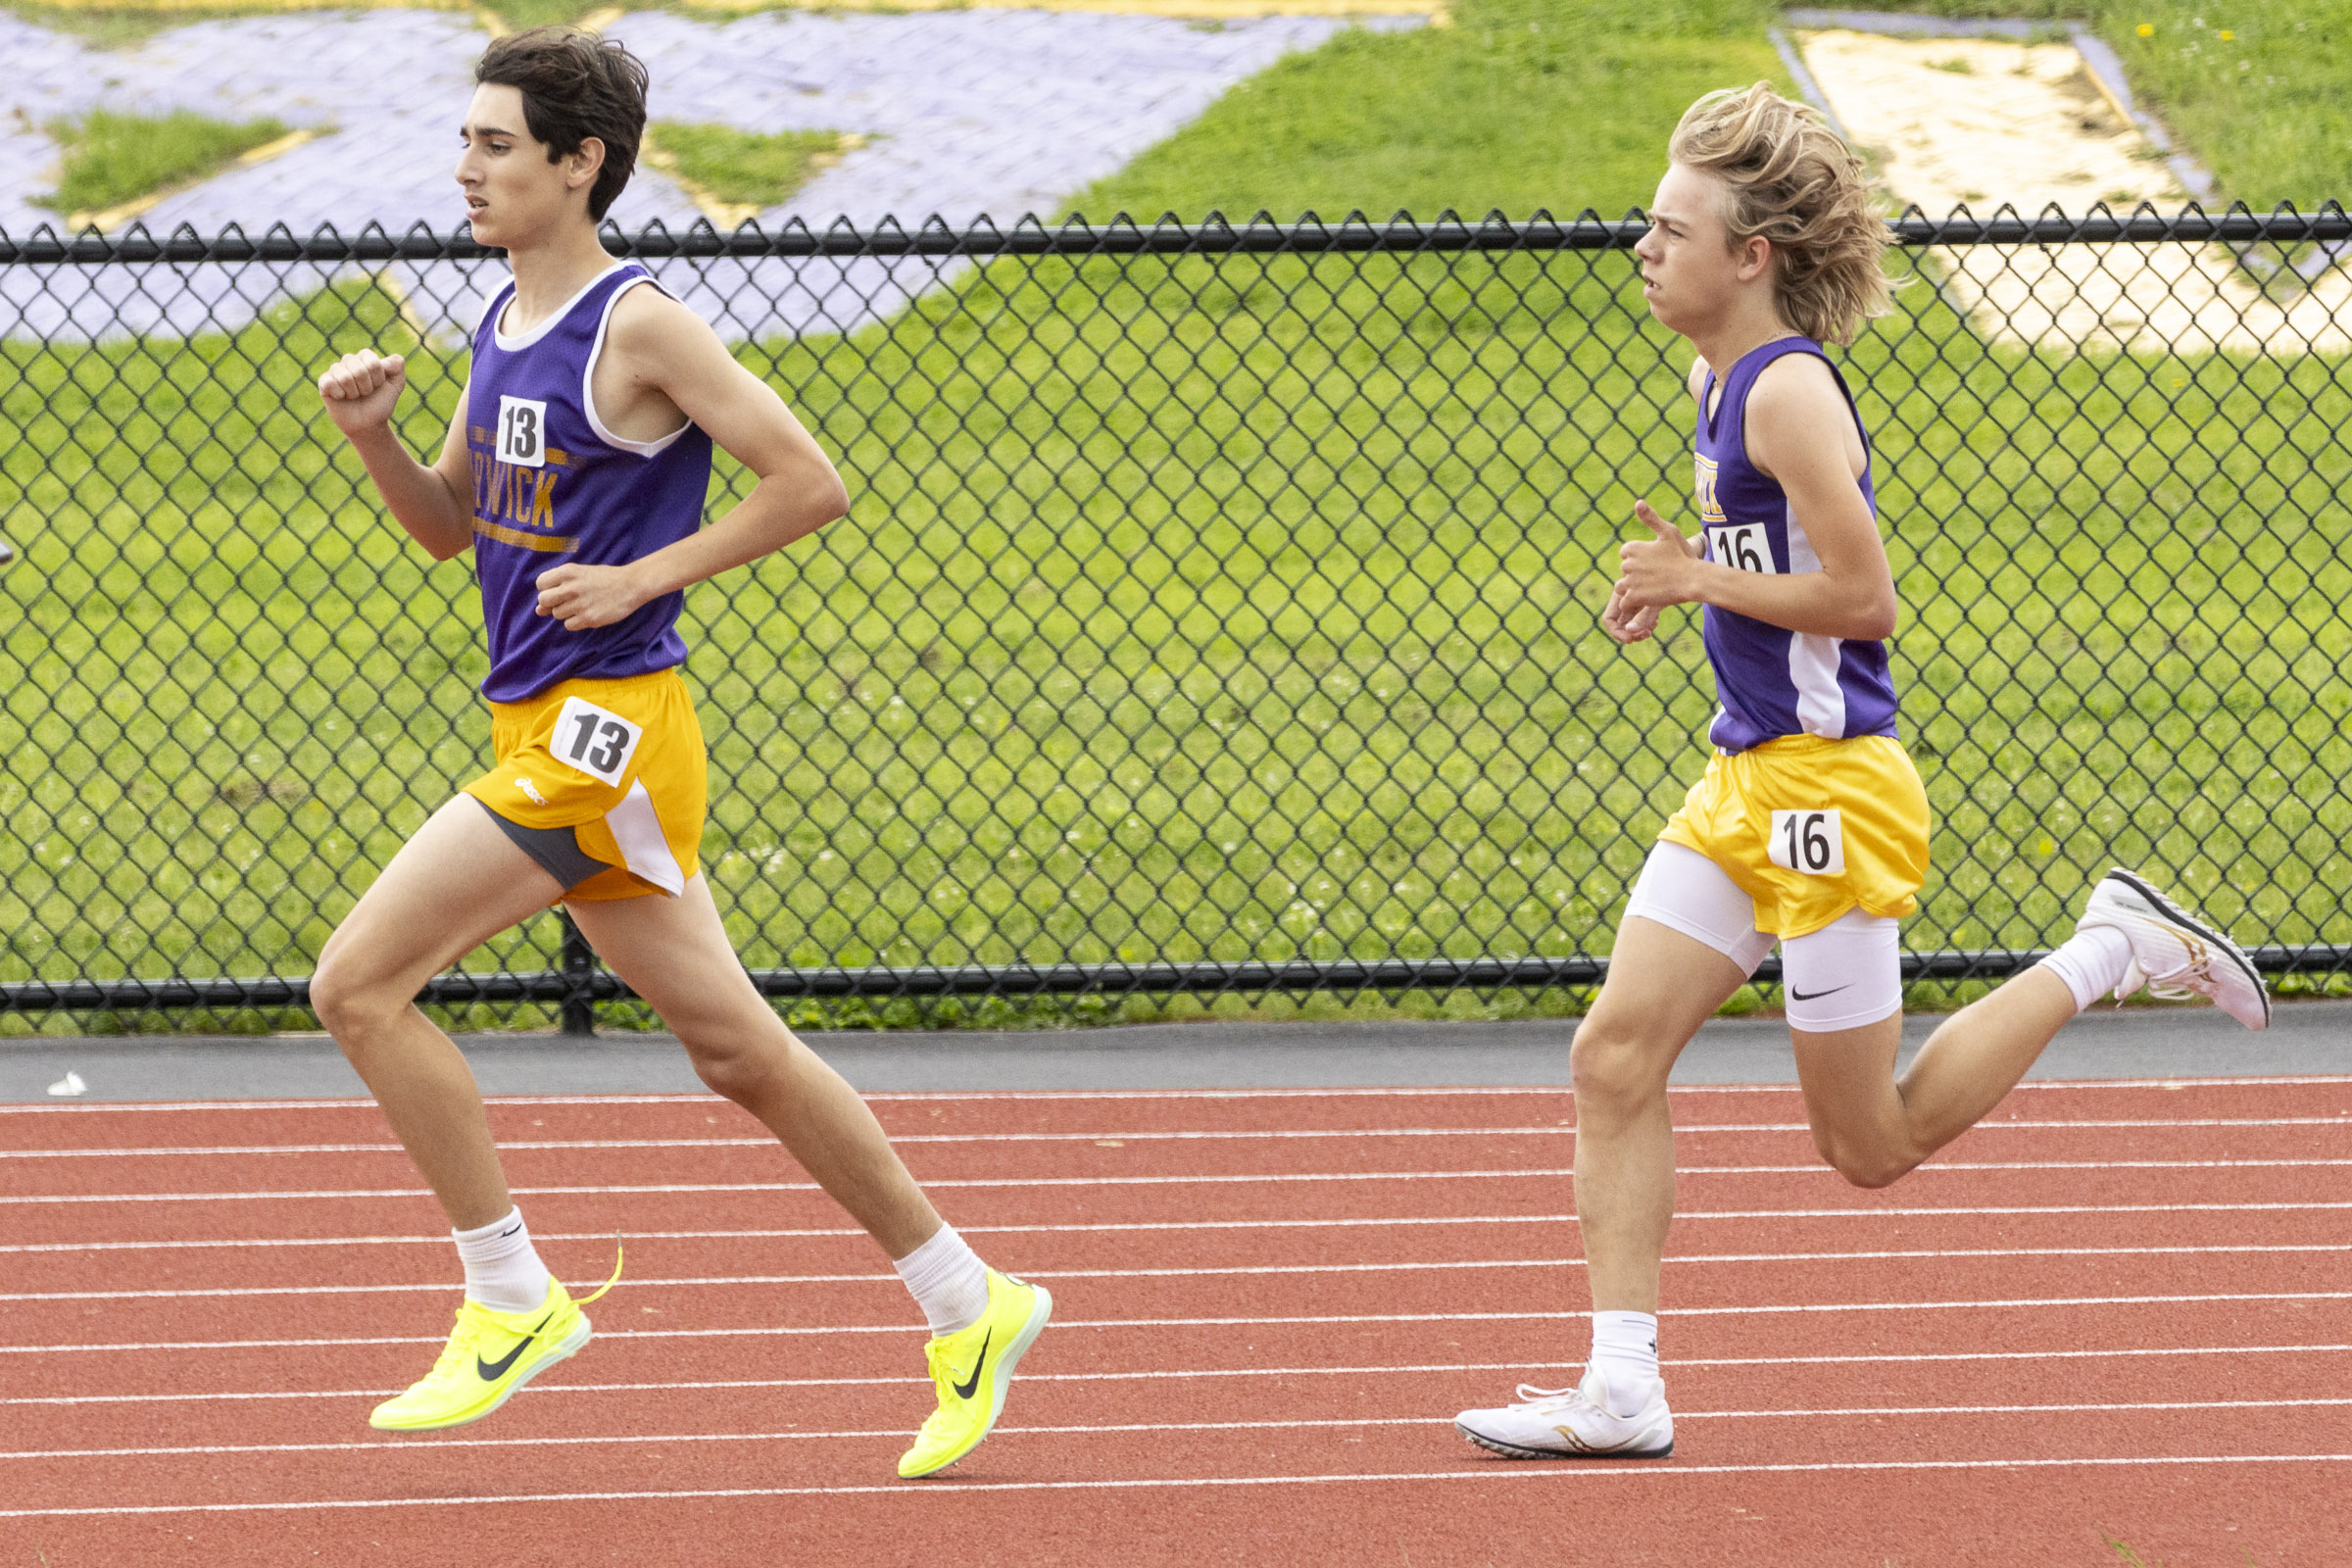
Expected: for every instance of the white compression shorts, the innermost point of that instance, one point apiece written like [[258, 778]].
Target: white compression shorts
[[1847, 974]]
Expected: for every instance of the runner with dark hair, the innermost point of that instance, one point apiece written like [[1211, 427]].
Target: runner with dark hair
[[575, 470]]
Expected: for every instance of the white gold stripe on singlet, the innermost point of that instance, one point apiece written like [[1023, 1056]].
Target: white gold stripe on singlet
[[1813, 660], [596, 350], [644, 848]]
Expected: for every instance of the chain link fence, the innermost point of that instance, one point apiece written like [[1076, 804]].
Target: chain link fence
[[1216, 612]]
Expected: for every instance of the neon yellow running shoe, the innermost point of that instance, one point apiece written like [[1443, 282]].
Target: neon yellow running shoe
[[489, 1355], [973, 1369]]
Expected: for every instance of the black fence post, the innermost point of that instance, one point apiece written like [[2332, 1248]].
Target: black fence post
[[578, 962]]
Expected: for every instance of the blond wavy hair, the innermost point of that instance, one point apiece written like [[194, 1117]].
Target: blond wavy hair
[[1792, 183]]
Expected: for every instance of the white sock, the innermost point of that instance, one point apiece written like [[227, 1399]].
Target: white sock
[[2090, 962], [948, 1280], [1624, 1353], [503, 1270]]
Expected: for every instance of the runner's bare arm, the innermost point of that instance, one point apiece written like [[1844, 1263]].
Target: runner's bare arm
[[666, 357], [1800, 432], [432, 504]]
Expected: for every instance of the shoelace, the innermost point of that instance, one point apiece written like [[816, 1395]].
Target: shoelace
[[457, 1356], [1529, 1393], [2166, 988], [944, 1373], [608, 1283]]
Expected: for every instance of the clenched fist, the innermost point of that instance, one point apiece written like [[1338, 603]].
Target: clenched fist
[[362, 388], [582, 597], [1652, 573]]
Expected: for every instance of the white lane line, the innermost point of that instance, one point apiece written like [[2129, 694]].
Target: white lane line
[[898, 1434], [1109, 1137], [770, 1331], [1119, 1136], [1129, 1374], [789, 1186], [1151, 1226], [895, 1435], [1485, 1471], [924, 1096], [803, 1232], [1815, 1168], [359, 1103], [1982, 1209], [786, 1187], [1222, 1271]]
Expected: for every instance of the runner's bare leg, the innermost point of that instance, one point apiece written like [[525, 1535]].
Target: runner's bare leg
[[1661, 986], [456, 884], [674, 953], [1873, 1128]]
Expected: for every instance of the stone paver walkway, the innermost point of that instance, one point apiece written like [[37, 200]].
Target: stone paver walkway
[[967, 113]]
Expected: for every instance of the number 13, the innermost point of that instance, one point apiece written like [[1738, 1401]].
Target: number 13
[[605, 757]]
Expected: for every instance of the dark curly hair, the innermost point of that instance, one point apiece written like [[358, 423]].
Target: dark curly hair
[[575, 85]]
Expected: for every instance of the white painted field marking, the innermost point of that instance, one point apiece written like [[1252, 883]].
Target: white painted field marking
[[899, 1435], [1128, 1375], [1204, 1225], [949, 1095], [658, 1439], [655, 1187], [2025, 1164], [1134, 1137], [1225, 1271], [1175, 1180], [1301, 1319], [361, 1102], [1484, 1472], [2044, 1209]]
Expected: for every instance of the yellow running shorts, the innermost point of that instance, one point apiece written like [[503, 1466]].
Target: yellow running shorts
[[621, 763], [1811, 828]]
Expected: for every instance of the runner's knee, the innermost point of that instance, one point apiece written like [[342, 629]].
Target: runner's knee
[[1615, 1067], [1872, 1171], [1863, 1163], [736, 1067], [352, 998]]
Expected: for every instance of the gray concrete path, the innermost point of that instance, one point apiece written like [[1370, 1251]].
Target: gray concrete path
[[2307, 1038]]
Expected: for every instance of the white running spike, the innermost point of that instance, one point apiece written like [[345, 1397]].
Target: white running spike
[[2175, 954], [1572, 1424]]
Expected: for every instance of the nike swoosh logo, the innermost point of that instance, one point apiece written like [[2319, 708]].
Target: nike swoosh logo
[[1808, 996], [966, 1388], [492, 1371]]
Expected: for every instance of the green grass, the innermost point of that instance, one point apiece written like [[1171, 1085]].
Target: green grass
[[111, 158], [2264, 110], [1522, 104], [105, 29], [1188, 609], [520, 15], [744, 169], [1199, 607]]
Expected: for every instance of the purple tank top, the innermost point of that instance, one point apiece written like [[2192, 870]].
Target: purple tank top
[[1769, 680], [553, 486]]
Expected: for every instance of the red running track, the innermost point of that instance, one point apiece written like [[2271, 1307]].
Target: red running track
[[2116, 1312]]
